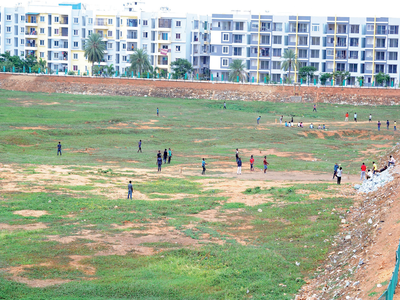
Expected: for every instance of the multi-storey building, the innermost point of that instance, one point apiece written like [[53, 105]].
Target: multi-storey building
[[57, 34]]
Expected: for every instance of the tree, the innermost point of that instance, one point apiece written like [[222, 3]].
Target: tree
[[110, 71], [181, 67], [324, 77], [307, 72], [290, 61], [381, 78], [140, 61], [237, 69], [360, 79], [340, 76], [94, 49]]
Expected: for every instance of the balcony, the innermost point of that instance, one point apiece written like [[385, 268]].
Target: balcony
[[132, 22], [132, 35], [31, 21], [163, 62], [32, 35], [64, 21], [238, 41], [31, 46], [164, 23], [100, 23]]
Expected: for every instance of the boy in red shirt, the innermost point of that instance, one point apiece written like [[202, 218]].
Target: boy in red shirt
[[252, 163], [265, 164], [347, 117], [363, 169]]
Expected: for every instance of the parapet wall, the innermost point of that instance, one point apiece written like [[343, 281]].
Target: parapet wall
[[198, 90]]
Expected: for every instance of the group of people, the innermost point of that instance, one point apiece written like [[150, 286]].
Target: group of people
[[387, 125], [165, 157], [375, 170]]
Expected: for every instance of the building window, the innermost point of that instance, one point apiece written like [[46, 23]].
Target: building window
[[8, 18], [277, 40], [21, 53], [277, 52], [110, 21], [109, 57], [90, 20], [178, 23], [76, 45], [225, 37], [315, 27], [370, 27], [237, 51], [75, 67], [380, 43], [224, 62], [109, 33], [22, 29], [22, 41], [315, 41], [76, 32], [302, 53], [8, 41], [75, 55], [90, 32], [56, 55], [145, 23], [145, 47], [76, 20], [392, 55], [41, 42], [392, 69], [394, 29], [379, 68], [145, 35], [41, 30], [314, 53], [355, 29], [109, 45], [353, 55], [56, 19], [124, 46], [8, 29], [379, 55], [178, 49], [41, 54], [41, 18], [353, 42], [315, 65], [393, 43], [22, 18], [178, 36], [55, 43], [124, 58], [353, 68], [276, 65], [56, 31], [277, 27], [225, 50]]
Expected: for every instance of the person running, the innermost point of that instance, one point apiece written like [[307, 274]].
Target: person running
[[140, 146], [130, 190], [363, 169], [379, 125], [339, 175], [280, 119], [315, 108], [370, 117], [391, 161], [239, 165], [251, 163], [59, 148], [203, 165], [258, 120], [387, 124], [237, 154], [374, 168], [394, 126], [265, 164], [224, 105], [158, 112], [346, 117], [355, 117], [335, 169], [159, 161], [169, 155], [165, 156]]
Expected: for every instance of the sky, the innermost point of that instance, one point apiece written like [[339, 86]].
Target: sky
[[356, 8]]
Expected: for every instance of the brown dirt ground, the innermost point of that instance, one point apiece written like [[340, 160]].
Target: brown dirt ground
[[30, 213], [295, 155]]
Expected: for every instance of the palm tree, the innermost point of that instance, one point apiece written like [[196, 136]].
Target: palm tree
[[110, 70], [290, 61], [94, 48], [237, 68], [140, 61]]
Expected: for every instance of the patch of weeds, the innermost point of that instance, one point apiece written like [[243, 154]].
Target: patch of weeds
[[191, 233], [48, 272], [233, 205], [250, 191]]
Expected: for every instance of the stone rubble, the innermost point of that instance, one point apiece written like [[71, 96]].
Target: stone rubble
[[377, 181]]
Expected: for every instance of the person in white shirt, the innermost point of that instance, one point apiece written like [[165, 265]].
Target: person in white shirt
[[392, 161], [339, 175], [311, 126]]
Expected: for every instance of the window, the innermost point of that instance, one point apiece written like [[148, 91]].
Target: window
[[76, 20], [41, 18], [22, 41], [124, 58], [225, 37], [8, 29], [315, 65], [354, 28], [353, 55], [22, 18], [392, 68], [75, 67], [370, 27], [22, 29], [379, 68], [109, 45], [145, 47], [277, 27], [41, 42], [178, 36], [90, 21], [224, 62], [177, 48], [56, 19], [340, 67], [264, 39], [76, 32], [379, 55], [56, 31], [75, 55], [315, 27], [303, 41], [90, 32], [109, 33], [314, 53], [393, 43], [302, 53], [393, 29], [380, 43], [264, 65], [352, 67], [110, 21], [76, 44], [329, 52], [315, 41], [109, 57], [55, 55], [178, 23], [265, 26], [276, 65], [8, 41], [124, 46], [237, 51], [353, 42], [277, 52], [55, 43], [21, 53], [8, 18], [392, 55], [145, 34], [277, 40], [145, 23], [41, 54], [41, 30]]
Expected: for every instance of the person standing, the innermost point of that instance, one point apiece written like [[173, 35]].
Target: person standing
[[140, 146], [169, 155], [394, 125], [346, 117], [165, 156], [59, 148], [203, 165], [315, 108], [379, 125], [387, 124], [370, 117], [251, 163], [158, 112], [374, 168], [224, 105], [258, 120], [355, 117], [159, 161], [239, 165], [237, 154], [363, 169], [280, 119], [335, 169], [339, 175], [130, 190], [265, 164]]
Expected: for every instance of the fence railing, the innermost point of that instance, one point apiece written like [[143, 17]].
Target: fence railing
[[391, 289]]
